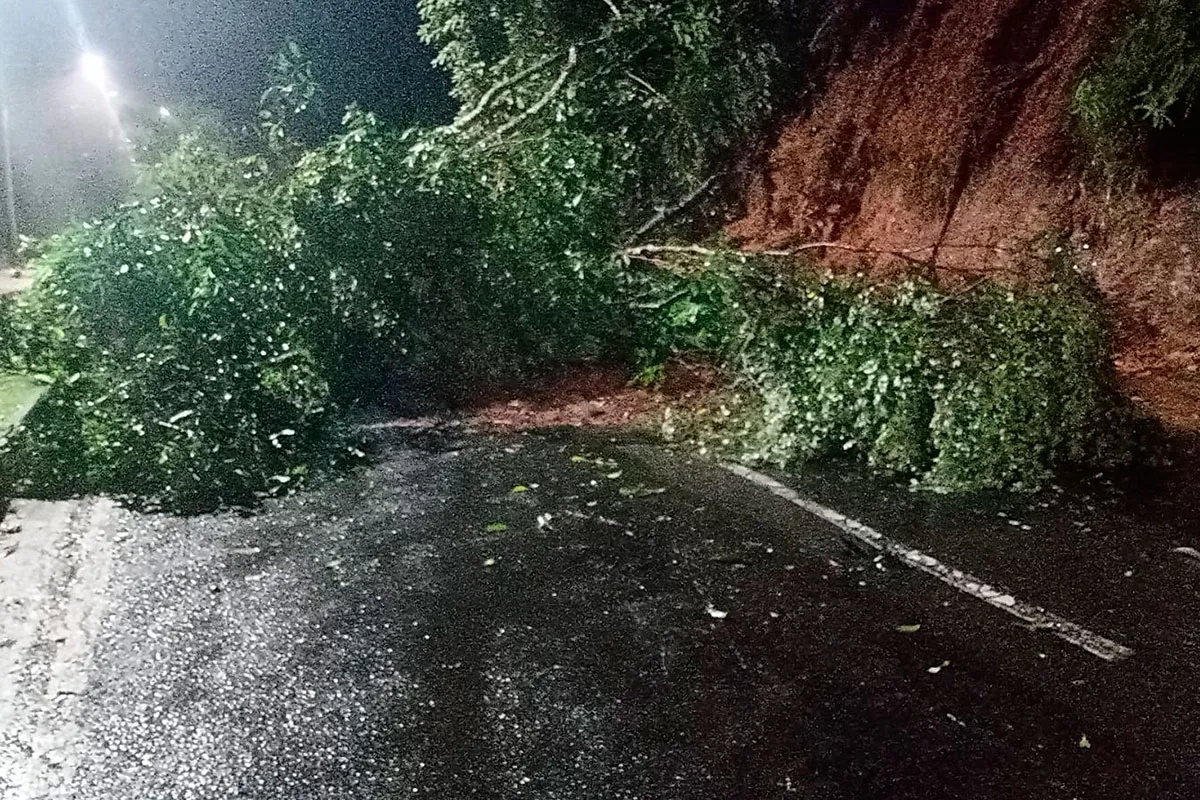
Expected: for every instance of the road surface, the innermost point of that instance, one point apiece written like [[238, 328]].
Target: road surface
[[553, 616]]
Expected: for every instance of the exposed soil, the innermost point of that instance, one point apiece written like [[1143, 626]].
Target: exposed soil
[[1167, 385], [951, 140]]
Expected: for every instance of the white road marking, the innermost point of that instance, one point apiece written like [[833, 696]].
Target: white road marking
[[1037, 617]]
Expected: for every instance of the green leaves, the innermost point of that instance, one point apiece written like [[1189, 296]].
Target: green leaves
[[1148, 80], [662, 89], [291, 97], [989, 389], [182, 340]]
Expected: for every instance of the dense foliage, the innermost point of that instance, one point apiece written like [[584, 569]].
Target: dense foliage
[[990, 388], [659, 88], [182, 337], [202, 340], [1149, 80]]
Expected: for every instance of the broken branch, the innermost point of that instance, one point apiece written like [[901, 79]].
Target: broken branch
[[487, 97]]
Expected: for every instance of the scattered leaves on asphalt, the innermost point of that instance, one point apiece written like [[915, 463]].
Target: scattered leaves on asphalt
[[1190, 552], [717, 613], [1084, 743], [639, 491], [520, 489], [496, 527], [908, 628], [938, 668]]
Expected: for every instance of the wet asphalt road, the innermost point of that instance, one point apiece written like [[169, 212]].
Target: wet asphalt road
[[558, 617]]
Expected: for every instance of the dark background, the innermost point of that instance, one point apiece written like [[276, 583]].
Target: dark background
[[216, 51], [206, 56]]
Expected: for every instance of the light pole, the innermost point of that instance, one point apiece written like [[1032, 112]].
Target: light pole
[[10, 203]]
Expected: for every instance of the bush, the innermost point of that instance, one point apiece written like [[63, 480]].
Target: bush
[[180, 334], [1148, 80], [988, 389]]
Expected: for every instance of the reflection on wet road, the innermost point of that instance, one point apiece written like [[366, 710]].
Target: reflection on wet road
[[560, 617]]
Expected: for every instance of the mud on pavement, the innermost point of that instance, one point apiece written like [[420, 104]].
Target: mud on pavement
[[536, 616]]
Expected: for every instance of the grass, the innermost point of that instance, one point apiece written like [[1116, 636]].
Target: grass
[[18, 395]]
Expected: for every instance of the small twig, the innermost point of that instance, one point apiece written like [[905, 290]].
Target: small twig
[[637, 79], [666, 213], [682, 293], [658, 262], [572, 60], [975, 284], [616, 11]]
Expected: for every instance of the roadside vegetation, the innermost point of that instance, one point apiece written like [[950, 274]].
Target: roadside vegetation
[[957, 391], [1146, 84], [203, 341]]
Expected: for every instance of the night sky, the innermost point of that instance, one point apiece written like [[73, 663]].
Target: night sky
[[211, 55], [216, 52]]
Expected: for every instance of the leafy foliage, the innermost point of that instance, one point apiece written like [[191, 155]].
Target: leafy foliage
[[179, 335], [201, 340], [290, 102], [960, 391], [661, 88], [450, 264], [1148, 81]]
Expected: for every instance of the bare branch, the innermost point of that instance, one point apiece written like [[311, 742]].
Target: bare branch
[[654, 249], [487, 97], [572, 60], [616, 11], [905, 255], [646, 252], [641, 81]]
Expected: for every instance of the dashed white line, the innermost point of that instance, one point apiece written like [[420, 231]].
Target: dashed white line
[[1037, 617]]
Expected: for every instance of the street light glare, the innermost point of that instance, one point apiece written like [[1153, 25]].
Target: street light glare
[[94, 69]]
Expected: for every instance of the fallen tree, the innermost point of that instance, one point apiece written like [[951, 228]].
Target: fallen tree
[[958, 391]]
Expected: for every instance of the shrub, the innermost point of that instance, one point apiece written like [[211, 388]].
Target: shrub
[[179, 333], [1148, 80], [988, 389]]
